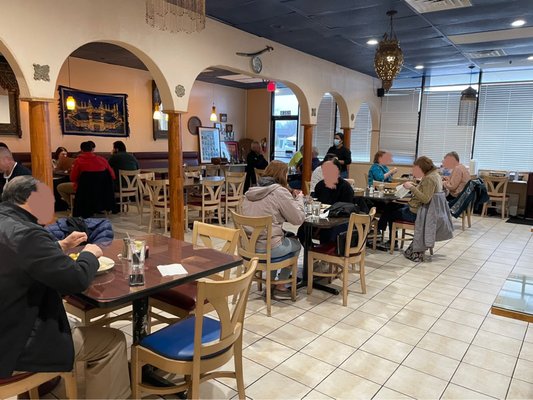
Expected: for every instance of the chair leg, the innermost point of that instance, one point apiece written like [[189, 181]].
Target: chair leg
[[463, 216], [239, 371], [469, 215], [136, 369], [345, 282], [268, 292], [293, 280], [484, 210], [403, 238], [309, 266], [70, 385], [362, 273], [374, 243], [393, 238]]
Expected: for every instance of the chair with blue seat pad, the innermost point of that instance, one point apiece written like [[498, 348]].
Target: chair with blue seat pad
[[197, 346], [251, 229]]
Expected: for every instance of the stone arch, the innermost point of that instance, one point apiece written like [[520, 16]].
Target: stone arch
[[24, 91]]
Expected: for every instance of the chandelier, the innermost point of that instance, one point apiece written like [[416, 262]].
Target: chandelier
[[388, 60], [176, 15], [468, 104]]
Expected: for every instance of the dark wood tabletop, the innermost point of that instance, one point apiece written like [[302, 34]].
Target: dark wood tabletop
[[112, 288]]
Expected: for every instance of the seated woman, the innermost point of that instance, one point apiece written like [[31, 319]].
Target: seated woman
[[273, 197], [422, 193], [379, 171], [59, 154], [456, 182]]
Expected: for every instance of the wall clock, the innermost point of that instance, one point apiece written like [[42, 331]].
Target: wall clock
[[193, 124], [257, 64]]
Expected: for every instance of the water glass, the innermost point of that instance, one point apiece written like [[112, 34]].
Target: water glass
[[136, 263], [308, 200], [381, 189], [315, 209]]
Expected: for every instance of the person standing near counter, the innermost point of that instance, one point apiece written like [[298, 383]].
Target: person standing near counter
[[343, 154]]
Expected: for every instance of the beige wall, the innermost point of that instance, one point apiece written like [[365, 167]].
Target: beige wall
[[258, 116], [137, 84]]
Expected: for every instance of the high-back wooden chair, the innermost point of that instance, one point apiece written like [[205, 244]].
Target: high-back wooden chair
[[30, 381], [258, 173], [181, 300], [212, 170], [159, 202], [340, 263], [128, 189], [251, 229], [497, 191], [197, 347], [144, 194], [209, 201], [233, 192]]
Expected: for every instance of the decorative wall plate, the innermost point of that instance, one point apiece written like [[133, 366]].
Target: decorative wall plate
[[193, 124]]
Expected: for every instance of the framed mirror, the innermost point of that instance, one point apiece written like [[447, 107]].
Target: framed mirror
[[9, 101], [160, 119]]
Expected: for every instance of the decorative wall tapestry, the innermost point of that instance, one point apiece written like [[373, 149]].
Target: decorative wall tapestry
[[96, 114]]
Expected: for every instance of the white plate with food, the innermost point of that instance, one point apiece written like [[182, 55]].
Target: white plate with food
[[106, 264]]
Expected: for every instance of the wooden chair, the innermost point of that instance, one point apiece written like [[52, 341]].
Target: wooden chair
[[497, 191], [159, 202], [234, 191], [404, 226], [144, 194], [258, 173], [90, 315], [30, 381], [209, 201], [251, 228], [194, 171], [196, 347], [466, 216], [181, 300], [212, 170], [351, 256], [128, 188]]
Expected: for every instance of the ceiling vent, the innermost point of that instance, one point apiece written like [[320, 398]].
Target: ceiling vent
[[426, 6], [486, 53]]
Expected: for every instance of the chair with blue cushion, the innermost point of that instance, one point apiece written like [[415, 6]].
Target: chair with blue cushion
[[251, 229], [196, 347]]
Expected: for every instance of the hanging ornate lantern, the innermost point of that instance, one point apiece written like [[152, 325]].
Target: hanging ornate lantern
[[388, 60], [176, 15], [468, 104]]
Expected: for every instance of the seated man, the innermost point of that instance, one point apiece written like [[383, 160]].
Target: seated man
[[36, 336], [121, 160], [86, 161], [254, 160], [9, 167], [317, 174], [456, 182]]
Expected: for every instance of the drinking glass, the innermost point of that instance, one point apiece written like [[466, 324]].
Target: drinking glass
[[308, 200], [315, 209], [381, 189], [138, 252]]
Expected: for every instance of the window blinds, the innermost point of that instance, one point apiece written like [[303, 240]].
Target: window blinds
[[323, 130], [439, 132], [504, 134], [399, 124], [361, 135]]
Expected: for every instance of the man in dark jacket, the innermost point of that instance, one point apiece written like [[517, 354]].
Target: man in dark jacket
[[121, 160], [9, 168], [36, 335], [344, 155], [254, 160]]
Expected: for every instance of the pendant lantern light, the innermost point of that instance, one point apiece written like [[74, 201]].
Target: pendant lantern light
[[468, 104], [388, 60]]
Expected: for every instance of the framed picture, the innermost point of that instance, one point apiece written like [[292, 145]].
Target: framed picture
[[229, 128], [160, 126], [218, 125], [223, 117], [229, 150], [209, 143], [9, 101]]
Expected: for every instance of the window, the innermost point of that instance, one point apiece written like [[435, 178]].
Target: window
[[325, 125], [504, 133], [439, 132], [399, 124], [285, 123], [361, 135]]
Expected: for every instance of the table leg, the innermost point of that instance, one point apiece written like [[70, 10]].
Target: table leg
[[308, 238]]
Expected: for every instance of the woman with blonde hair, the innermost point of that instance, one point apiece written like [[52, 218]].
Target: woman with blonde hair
[[273, 197]]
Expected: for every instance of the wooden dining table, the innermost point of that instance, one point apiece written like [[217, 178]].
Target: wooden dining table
[[112, 288]]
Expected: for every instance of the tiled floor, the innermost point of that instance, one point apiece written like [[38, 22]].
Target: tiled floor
[[422, 330]]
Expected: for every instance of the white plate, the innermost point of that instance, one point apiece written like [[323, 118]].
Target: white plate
[[106, 264]]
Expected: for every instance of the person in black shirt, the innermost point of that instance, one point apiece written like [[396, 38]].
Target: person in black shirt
[[329, 193], [254, 160], [9, 168], [343, 154]]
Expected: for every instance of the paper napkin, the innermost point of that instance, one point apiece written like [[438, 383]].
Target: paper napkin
[[172, 269]]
